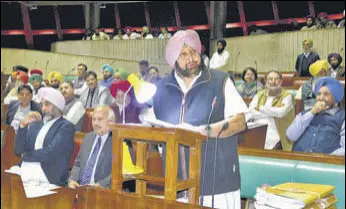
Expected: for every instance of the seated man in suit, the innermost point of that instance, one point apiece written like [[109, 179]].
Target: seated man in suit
[[306, 92], [74, 109], [46, 145], [19, 109], [95, 94], [322, 128], [93, 165]]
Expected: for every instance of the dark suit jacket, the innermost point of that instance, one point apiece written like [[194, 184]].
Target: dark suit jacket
[[56, 152], [13, 107], [104, 164]]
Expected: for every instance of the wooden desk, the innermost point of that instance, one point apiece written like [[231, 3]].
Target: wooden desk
[[96, 198], [13, 196], [253, 138], [173, 138]]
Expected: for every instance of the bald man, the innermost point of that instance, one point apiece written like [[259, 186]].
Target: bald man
[[93, 165]]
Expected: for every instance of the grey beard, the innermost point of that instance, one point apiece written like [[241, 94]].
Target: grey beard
[[186, 72], [52, 115]]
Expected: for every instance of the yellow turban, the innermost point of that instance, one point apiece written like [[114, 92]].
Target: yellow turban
[[316, 67], [56, 75], [309, 40]]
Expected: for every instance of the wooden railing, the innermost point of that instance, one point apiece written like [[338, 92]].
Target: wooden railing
[[309, 157]]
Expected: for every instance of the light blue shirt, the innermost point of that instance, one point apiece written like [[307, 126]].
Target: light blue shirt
[[103, 141], [301, 123]]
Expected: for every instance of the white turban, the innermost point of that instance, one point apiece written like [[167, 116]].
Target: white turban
[[176, 43], [53, 96]]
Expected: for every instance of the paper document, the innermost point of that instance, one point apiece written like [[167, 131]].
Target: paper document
[[160, 123], [33, 187]]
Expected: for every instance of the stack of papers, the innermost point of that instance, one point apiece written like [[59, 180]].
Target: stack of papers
[[32, 187], [295, 196]]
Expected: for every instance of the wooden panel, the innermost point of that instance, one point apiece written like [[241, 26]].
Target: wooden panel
[[310, 157], [63, 62], [128, 51], [8, 157], [278, 51], [95, 198]]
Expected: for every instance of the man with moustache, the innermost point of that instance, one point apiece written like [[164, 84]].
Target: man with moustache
[[74, 109], [185, 98], [46, 145], [79, 83], [100, 35], [321, 129], [305, 59], [108, 77], [55, 78], [310, 23], [95, 94], [220, 58], [306, 92], [277, 106], [336, 70], [93, 165]]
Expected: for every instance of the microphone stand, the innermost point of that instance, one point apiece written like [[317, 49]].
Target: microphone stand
[[125, 95], [208, 129], [224, 127]]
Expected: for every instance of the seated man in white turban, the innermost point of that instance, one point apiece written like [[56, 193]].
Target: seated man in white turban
[[47, 146]]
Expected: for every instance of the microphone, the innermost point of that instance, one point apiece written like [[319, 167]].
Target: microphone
[[35, 63], [236, 62], [206, 146], [224, 127], [47, 67], [342, 49]]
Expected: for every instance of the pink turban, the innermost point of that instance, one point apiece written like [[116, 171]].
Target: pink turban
[[53, 96], [176, 43]]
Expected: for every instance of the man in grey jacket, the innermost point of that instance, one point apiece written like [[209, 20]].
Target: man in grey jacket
[[96, 94], [93, 164]]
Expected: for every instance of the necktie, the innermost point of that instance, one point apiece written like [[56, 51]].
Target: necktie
[[87, 172]]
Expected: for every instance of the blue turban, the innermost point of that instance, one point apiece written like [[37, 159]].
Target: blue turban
[[107, 67], [334, 86]]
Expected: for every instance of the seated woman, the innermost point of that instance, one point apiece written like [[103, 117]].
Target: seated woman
[[250, 85], [19, 109], [132, 108]]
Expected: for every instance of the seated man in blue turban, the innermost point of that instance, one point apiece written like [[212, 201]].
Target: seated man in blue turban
[[322, 128], [108, 77]]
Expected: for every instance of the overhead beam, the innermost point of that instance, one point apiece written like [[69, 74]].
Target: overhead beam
[[276, 12], [27, 26], [242, 17], [61, 3], [176, 13], [311, 8], [207, 10], [57, 22], [117, 16], [147, 15]]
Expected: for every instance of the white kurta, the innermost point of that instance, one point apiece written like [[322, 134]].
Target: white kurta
[[269, 112], [219, 60]]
